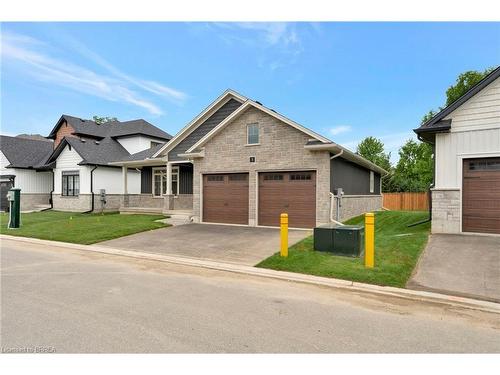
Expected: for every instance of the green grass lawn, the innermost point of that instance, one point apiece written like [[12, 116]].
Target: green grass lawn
[[79, 228], [397, 249]]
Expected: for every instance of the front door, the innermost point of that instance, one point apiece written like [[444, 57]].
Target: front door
[[160, 181]]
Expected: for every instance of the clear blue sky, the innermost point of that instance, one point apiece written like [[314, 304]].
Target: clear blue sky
[[343, 80]]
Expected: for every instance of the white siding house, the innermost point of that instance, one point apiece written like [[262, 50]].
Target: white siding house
[[103, 177], [466, 135], [35, 185]]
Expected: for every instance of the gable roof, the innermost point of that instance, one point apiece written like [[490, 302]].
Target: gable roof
[[198, 120], [110, 129], [216, 104], [91, 151], [438, 124], [250, 103], [25, 152]]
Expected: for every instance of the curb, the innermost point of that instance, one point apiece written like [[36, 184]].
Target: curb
[[414, 295]]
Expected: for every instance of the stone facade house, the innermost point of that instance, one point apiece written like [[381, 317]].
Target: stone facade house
[[466, 140], [239, 162]]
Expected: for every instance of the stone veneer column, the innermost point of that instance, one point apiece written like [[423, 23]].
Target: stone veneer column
[[445, 211]]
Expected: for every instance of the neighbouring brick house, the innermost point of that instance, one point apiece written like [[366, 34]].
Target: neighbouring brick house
[[239, 162], [466, 140]]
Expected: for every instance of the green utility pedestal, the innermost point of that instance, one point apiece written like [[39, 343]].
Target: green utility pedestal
[[14, 197]]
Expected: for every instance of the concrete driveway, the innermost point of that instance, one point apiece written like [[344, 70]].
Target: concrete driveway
[[463, 265], [224, 243]]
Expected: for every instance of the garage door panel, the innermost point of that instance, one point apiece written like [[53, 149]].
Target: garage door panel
[[287, 192], [481, 195], [225, 198]]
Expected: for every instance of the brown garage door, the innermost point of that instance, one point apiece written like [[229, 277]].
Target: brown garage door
[[225, 198], [288, 192], [481, 195]]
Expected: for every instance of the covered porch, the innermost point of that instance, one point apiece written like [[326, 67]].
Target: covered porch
[[166, 187]]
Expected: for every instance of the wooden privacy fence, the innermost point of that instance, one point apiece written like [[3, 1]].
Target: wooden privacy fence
[[406, 201]]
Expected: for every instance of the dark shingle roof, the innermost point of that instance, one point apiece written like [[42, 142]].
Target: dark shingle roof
[[436, 123], [98, 152], [25, 152], [111, 128], [120, 129]]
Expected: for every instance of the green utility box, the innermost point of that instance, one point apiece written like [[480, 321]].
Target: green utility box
[[347, 240], [14, 198], [323, 237]]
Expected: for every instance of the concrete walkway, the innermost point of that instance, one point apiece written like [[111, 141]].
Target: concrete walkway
[[222, 243], [463, 265]]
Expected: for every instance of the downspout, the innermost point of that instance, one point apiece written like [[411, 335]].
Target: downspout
[[332, 196], [91, 190], [51, 201]]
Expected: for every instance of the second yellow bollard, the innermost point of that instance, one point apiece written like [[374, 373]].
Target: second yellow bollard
[[369, 240], [284, 235]]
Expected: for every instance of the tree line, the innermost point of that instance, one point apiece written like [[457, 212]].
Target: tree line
[[415, 168]]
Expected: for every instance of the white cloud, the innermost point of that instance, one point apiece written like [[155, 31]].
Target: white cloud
[[279, 42], [272, 32], [340, 129], [150, 86], [22, 51]]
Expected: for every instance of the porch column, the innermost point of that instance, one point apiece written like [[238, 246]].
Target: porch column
[[169, 179], [124, 177]]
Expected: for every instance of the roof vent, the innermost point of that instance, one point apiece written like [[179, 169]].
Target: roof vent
[[96, 142], [82, 140]]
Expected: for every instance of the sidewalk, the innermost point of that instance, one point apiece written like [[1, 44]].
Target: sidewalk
[[414, 295]]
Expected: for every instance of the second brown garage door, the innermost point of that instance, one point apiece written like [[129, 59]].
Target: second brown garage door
[[287, 192], [481, 195], [225, 198]]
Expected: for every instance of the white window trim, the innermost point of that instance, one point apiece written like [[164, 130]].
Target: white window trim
[[258, 134], [372, 182], [175, 171]]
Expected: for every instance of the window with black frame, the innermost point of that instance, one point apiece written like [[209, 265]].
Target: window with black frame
[[70, 183]]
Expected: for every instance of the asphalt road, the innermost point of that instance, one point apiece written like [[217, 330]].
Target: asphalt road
[[71, 301]]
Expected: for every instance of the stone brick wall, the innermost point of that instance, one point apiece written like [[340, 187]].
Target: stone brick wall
[[281, 148], [75, 204], [113, 202], [445, 211], [143, 200], [183, 202], [30, 202], [355, 205], [83, 202]]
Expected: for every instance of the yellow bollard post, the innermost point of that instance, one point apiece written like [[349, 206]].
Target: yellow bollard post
[[284, 235], [369, 240]]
